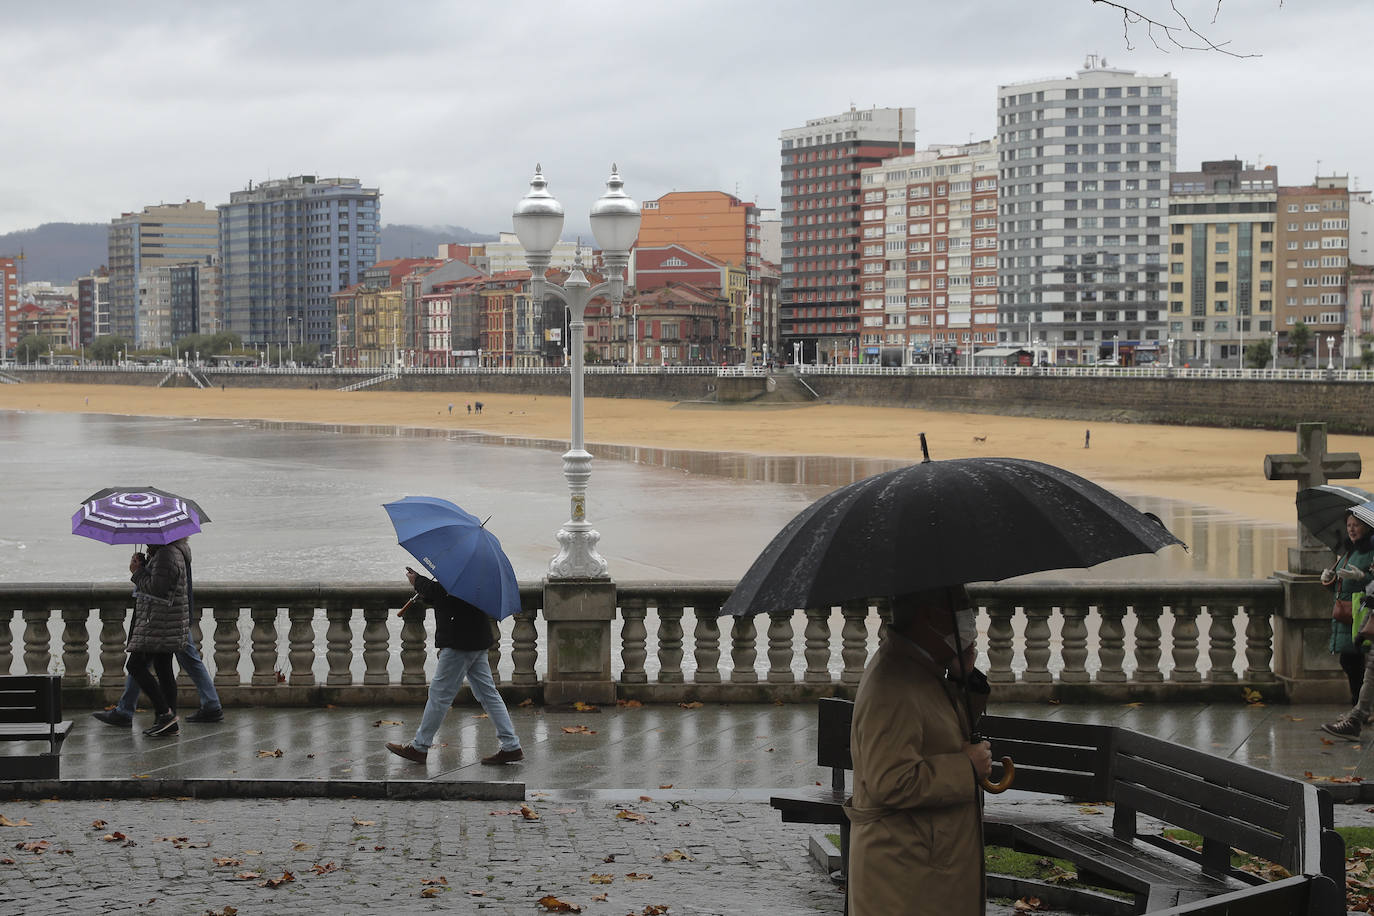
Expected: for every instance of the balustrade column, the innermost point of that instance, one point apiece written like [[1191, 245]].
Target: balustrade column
[[524, 651], [227, 651], [493, 653], [301, 640], [633, 638], [6, 641], [264, 650], [1037, 646], [817, 651], [1221, 645], [413, 646], [670, 644], [339, 646], [375, 643], [780, 648], [743, 653], [1000, 636], [853, 641], [1147, 645], [111, 647], [706, 650], [1259, 645], [75, 647], [1111, 644], [1185, 635], [37, 653]]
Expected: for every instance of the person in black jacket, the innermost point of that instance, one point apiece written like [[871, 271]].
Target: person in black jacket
[[462, 634]]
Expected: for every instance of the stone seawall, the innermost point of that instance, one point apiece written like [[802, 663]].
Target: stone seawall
[[1346, 407]]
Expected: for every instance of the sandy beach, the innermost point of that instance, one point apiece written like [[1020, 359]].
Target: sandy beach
[[1215, 467]]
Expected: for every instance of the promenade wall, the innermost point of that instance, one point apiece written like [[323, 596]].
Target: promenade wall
[[1345, 405]]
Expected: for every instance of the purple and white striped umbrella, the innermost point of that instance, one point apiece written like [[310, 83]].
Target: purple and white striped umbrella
[[137, 515]]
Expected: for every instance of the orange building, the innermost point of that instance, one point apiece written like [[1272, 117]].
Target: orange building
[[715, 224]]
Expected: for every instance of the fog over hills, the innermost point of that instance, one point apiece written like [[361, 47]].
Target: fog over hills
[[61, 252]]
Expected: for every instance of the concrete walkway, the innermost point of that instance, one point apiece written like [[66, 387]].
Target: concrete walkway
[[679, 794]]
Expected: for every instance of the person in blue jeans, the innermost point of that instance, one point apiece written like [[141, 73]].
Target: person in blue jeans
[[462, 634], [188, 659]]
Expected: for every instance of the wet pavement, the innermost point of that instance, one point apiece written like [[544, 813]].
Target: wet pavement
[[679, 794]]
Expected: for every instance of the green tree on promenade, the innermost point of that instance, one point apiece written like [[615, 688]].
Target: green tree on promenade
[[106, 349], [1299, 339], [31, 347], [1258, 354]]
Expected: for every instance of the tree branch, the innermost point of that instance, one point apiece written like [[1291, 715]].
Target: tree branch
[[1181, 35]]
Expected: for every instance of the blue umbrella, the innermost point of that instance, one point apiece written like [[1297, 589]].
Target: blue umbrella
[[462, 555]]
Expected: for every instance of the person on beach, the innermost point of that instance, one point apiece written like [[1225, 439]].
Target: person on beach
[[188, 659], [1351, 574], [915, 775], [462, 634], [160, 626]]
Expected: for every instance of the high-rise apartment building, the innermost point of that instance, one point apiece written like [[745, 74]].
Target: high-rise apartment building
[[93, 305], [1314, 260], [9, 306], [721, 227], [929, 255], [156, 237], [168, 305], [821, 218], [286, 246], [1221, 262], [1085, 164]]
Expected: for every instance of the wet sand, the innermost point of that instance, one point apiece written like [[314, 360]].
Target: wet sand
[[1215, 467]]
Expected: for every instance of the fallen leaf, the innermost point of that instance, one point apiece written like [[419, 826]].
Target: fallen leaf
[[380, 722], [526, 702], [579, 706], [654, 909], [358, 823], [97, 824], [431, 891], [637, 876], [600, 879], [434, 882], [1327, 741], [227, 911], [611, 858], [628, 704], [1089, 809], [1136, 705], [601, 898], [324, 869], [278, 882], [248, 875], [1292, 718], [670, 785], [552, 904], [677, 855], [695, 704], [1026, 904], [6, 860], [630, 816], [24, 822], [226, 861], [35, 846], [577, 730], [275, 752], [301, 847], [114, 837], [1251, 695], [646, 798]]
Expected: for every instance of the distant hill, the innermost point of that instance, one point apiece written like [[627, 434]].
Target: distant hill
[[61, 252]]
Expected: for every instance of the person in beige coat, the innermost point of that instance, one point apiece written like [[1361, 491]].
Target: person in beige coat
[[916, 841]]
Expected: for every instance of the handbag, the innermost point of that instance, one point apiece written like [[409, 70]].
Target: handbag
[[1342, 611]]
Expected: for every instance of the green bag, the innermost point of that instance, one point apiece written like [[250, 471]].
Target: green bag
[[1359, 611]]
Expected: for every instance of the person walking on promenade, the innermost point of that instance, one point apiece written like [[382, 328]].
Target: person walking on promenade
[[915, 775], [159, 628], [188, 659], [1351, 574], [462, 634]]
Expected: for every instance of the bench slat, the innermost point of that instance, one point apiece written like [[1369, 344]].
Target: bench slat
[[22, 731], [1217, 826], [1273, 817], [1210, 767]]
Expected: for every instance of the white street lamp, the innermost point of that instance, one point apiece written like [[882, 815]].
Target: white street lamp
[[1169, 342], [1330, 346], [538, 220]]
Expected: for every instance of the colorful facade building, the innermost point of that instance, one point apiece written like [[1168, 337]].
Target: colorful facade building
[[9, 305], [369, 316], [674, 325], [675, 264], [1222, 263], [1314, 259], [929, 255], [821, 217]]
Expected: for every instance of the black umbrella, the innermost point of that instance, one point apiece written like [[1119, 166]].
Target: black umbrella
[[1321, 510], [939, 524]]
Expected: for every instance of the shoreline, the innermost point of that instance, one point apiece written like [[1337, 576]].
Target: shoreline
[[1220, 468]]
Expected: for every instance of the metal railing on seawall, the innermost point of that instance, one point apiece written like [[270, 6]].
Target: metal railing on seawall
[[293, 644]]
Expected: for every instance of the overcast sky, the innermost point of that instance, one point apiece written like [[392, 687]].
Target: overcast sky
[[447, 106]]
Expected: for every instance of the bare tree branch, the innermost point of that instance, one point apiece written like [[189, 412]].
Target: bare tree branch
[[1182, 35]]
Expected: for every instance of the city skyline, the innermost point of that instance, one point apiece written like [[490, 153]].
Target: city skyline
[[230, 99]]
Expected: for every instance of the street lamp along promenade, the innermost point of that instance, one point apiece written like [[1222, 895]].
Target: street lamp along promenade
[[538, 220]]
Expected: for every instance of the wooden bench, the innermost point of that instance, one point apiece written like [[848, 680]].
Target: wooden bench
[[1134, 776], [31, 710], [822, 805]]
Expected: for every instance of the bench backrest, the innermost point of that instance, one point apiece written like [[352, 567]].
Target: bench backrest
[[1055, 758], [30, 698], [832, 738]]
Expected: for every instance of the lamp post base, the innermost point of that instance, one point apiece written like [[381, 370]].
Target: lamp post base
[[577, 557]]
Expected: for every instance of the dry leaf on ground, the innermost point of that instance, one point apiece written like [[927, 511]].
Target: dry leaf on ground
[[22, 822], [600, 879], [695, 704], [529, 813], [275, 752], [577, 730], [278, 882], [552, 904], [677, 855]]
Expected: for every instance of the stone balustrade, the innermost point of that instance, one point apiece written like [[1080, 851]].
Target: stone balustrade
[[301, 644]]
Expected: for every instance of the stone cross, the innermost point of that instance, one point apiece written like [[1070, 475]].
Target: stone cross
[[1311, 466]]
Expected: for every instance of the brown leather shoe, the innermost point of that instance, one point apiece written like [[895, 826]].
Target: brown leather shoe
[[408, 751], [503, 757]]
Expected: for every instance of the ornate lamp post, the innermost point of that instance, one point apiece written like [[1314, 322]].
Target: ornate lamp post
[[538, 220], [1330, 349]]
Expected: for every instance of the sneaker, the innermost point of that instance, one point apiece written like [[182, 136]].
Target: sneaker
[[504, 757], [206, 715], [408, 751], [165, 726], [1347, 727], [111, 717]]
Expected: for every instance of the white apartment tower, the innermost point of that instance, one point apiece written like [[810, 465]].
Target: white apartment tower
[[1084, 175]]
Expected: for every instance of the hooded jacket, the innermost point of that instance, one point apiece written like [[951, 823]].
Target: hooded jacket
[[161, 609], [916, 839]]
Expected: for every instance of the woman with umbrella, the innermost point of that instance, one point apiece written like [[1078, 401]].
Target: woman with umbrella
[[160, 627], [1350, 575]]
